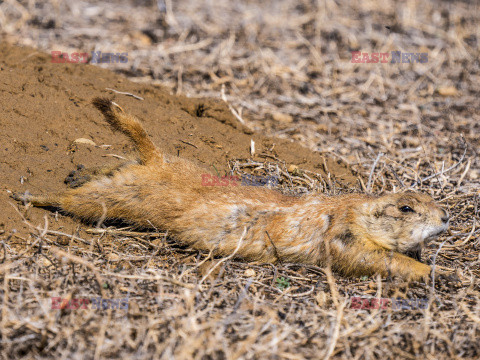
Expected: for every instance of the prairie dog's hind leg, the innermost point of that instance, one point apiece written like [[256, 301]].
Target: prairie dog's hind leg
[[85, 202], [130, 126], [51, 200]]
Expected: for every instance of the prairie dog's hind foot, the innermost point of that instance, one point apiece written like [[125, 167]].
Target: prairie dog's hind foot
[[37, 200], [82, 175], [78, 177]]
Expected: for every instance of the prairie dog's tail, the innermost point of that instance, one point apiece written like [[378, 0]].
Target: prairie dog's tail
[[130, 126]]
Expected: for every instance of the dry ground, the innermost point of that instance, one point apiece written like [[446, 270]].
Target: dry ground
[[284, 68]]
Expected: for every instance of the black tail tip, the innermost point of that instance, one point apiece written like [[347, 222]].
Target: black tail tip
[[102, 104]]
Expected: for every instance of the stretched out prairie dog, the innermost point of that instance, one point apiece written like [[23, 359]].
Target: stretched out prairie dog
[[361, 234]]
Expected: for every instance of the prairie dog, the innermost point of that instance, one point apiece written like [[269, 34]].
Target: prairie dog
[[360, 234]]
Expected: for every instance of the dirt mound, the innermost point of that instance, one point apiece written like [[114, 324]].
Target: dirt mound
[[46, 106]]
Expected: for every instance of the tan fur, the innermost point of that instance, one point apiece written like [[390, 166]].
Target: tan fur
[[363, 234]]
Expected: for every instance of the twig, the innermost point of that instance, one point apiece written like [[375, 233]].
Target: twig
[[467, 167], [369, 183], [434, 264], [123, 232], [396, 175], [441, 172], [125, 93], [77, 259], [152, 278], [101, 336], [186, 142], [234, 112], [336, 331], [73, 237], [115, 156], [244, 293], [274, 248], [225, 258]]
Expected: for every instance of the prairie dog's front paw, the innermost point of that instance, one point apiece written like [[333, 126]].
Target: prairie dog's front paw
[[449, 275], [417, 271]]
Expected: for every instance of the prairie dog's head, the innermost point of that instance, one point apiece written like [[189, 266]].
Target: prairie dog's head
[[403, 222]]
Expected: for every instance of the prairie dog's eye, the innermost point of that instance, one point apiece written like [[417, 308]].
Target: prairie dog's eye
[[406, 209]]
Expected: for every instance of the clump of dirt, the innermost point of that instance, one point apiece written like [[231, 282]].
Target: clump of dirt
[[48, 127]]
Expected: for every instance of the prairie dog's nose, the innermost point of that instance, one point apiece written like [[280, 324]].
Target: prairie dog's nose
[[445, 217]]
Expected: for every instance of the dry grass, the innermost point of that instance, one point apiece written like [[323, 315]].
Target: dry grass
[[285, 68]]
